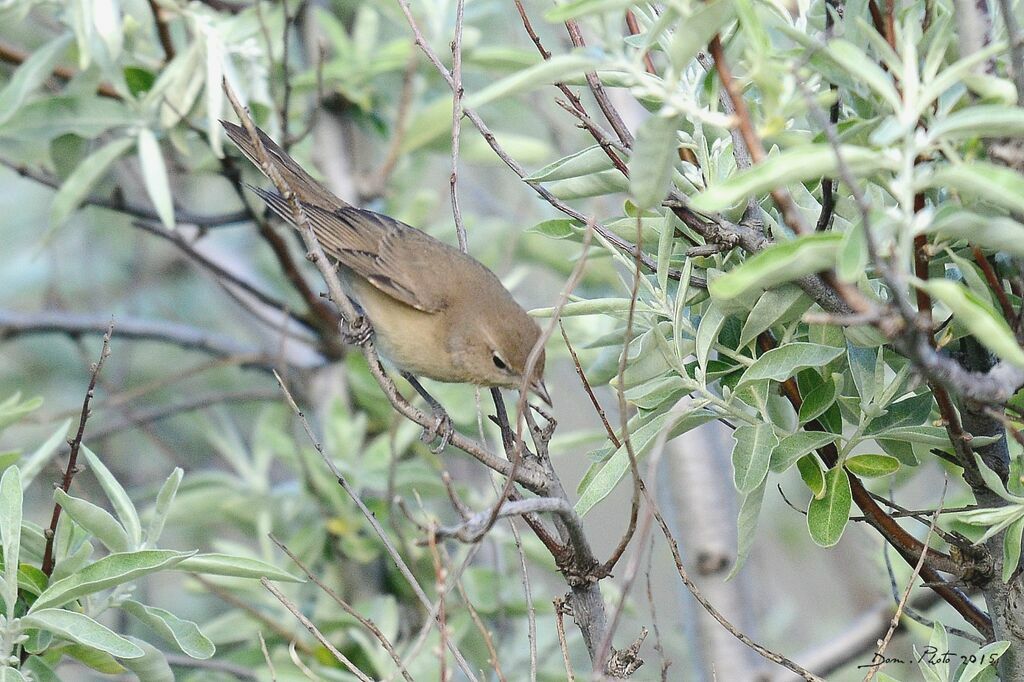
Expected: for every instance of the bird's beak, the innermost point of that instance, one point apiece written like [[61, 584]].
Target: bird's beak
[[541, 391]]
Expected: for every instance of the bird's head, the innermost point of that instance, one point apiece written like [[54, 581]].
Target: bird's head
[[499, 352]]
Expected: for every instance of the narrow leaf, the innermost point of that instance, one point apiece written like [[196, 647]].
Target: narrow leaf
[[783, 362], [119, 499], [82, 629], [154, 174], [983, 322], [806, 162], [83, 178], [111, 570], [96, 520], [827, 517], [998, 184], [32, 73], [872, 465], [792, 448], [746, 527], [239, 567], [751, 455], [182, 633], [10, 534], [653, 158], [778, 264]]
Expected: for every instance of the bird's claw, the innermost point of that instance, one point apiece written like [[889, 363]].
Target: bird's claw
[[357, 333], [442, 428]]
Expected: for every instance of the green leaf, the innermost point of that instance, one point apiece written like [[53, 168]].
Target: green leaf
[[1011, 548], [593, 185], [751, 455], [694, 32], [827, 517], [935, 668], [778, 264], [182, 633], [654, 156], [998, 184], [590, 160], [872, 465], [10, 534], [781, 304], [154, 174], [746, 527], [139, 80], [932, 436], [436, 119], [81, 181], [852, 259], [912, 411], [707, 333], [12, 410], [812, 475], [818, 400], [794, 447], [238, 567], [152, 666], [578, 8], [162, 508], [864, 69], [51, 117], [35, 462], [111, 570], [11, 675], [983, 322], [96, 520], [82, 629], [985, 658], [32, 73], [122, 504], [799, 164], [983, 120], [667, 425], [780, 363]]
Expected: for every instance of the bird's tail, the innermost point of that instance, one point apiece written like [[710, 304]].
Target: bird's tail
[[305, 186]]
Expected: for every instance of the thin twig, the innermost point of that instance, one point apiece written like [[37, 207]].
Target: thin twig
[[313, 630], [880, 653], [347, 608], [457, 93], [531, 611], [76, 444], [163, 31], [590, 391], [559, 603], [266, 657], [389, 546]]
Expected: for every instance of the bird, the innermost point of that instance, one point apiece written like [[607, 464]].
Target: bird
[[436, 312]]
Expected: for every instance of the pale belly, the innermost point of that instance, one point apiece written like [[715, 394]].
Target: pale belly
[[414, 341]]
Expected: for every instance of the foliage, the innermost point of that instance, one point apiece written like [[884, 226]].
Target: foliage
[[731, 320], [47, 617]]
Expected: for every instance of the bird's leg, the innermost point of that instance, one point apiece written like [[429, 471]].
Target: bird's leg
[[357, 332], [442, 426]]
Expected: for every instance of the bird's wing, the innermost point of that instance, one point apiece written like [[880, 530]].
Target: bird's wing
[[305, 186], [388, 254]]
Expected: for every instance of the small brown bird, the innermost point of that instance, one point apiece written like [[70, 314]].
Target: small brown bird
[[436, 312]]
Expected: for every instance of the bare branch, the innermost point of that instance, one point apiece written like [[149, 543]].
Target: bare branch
[[76, 444]]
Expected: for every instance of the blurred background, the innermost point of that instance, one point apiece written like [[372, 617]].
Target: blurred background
[[188, 382]]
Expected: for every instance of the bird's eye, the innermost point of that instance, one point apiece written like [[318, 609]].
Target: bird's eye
[[498, 362]]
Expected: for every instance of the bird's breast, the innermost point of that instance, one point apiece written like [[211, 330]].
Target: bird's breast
[[414, 341]]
